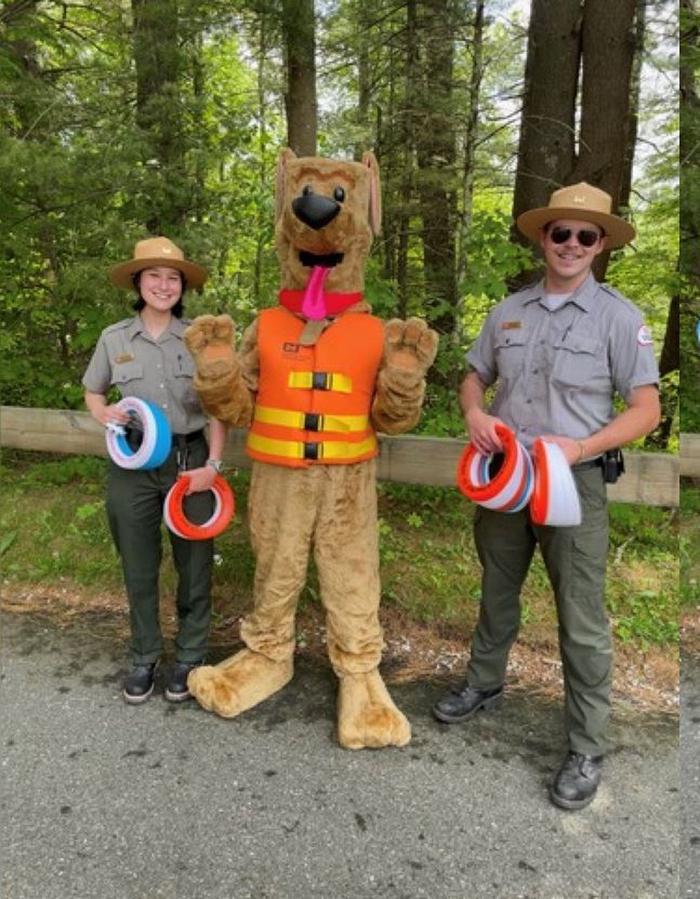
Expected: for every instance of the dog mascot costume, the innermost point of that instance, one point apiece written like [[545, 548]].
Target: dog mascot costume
[[315, 377]]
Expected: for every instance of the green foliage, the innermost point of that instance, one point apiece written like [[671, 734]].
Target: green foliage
[[689, 547], [80, 174]]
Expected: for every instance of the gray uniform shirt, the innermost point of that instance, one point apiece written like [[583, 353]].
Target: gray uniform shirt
[[558, 371], [160, 371]]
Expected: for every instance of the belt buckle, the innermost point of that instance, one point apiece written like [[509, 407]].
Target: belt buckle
[[319, 380], [311, 451]]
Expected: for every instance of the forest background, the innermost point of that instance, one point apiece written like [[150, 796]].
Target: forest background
[[120, 119]]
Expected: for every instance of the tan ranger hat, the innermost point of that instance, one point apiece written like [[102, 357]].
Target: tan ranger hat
[[157, 251], [583, 202]]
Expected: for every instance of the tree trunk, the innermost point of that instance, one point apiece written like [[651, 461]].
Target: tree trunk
[[364, 90], [470, 139], [689, 258], [689, 143], [608, 51], [157, 60], [635, 91], [562, 35], [436, 154], [546, 153], [298, 25], [406, 156], [262, 213]]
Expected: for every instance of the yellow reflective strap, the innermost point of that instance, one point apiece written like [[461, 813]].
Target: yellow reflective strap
[[340, 383], [331, 380], [270, 416], [288, 419], [294, 449], [335, 449], [289, 449]]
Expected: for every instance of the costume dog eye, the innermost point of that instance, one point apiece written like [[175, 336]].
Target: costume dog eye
[[307, 191], [339, 194]]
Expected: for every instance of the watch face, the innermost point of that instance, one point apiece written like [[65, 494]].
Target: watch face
[[215, 464]]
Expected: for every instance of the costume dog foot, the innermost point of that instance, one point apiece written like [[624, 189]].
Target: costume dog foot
[[239, 682], [367, 716]]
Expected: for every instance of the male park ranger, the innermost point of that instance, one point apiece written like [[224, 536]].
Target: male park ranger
[[558, 352]]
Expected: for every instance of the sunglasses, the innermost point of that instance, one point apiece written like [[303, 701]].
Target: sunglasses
[[585, 236]]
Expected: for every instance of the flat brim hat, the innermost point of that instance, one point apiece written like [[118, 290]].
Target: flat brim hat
[[157, 251], [583, 202]]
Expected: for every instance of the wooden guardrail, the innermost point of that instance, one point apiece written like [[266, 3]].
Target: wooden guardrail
[[690, 455], [651, 478]]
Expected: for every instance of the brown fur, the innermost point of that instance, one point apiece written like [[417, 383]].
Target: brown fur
[[330, 507]]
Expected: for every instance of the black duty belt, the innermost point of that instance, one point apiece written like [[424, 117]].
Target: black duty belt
[[589, 463], [192, 437], [134, 436]]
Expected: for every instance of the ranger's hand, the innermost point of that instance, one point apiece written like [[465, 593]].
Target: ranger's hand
[[482, 431]]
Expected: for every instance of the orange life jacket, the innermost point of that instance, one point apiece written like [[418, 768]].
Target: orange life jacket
[[313, 402]]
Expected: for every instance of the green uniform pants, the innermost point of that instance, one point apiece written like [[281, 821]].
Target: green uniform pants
[[135, 511], [575, 558]]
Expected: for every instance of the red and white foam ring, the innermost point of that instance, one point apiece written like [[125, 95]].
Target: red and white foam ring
[[510, 489], [555, 501], [176, 520]]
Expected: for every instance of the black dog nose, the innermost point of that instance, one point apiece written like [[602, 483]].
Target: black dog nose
[[315, 210]]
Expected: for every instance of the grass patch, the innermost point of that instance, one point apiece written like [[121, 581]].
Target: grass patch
[[53, 529], [689, 547]]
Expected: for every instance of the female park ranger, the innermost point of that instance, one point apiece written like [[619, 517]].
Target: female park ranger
[[145, 356]]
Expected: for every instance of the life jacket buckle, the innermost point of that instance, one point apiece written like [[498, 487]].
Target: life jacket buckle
[[312, 421]]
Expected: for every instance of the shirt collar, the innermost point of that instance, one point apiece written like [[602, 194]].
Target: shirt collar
[[582, 296], [176, 327]]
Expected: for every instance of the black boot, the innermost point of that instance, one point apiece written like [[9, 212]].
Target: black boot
[[177, 690], [463, 702], [138, 685], [577, 780]]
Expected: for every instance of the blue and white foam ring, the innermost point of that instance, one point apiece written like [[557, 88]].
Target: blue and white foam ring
[[510, 489], [555, 501], [157, 437]]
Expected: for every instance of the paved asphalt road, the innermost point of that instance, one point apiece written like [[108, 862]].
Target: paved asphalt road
[[105, 801], [690, 776]]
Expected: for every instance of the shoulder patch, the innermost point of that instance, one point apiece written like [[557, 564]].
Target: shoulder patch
[[644, 336]]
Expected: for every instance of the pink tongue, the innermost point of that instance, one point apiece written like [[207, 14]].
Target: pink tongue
[[313, 305]]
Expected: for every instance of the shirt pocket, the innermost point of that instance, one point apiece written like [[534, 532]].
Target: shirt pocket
[[510, 348], [580, 362], [124, 373], [183, 372]]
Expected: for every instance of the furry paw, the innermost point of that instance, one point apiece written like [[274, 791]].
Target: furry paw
[[367, 716], [210, 339], [238, 683], [410, 345]]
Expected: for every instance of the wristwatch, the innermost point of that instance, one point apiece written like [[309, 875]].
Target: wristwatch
[[216, 464]]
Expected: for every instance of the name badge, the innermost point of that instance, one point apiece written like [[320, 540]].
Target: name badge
[[511, 326], [124, 357]]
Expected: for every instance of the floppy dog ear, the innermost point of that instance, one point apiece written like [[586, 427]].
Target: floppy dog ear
[[369, 160], [282, 161]]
